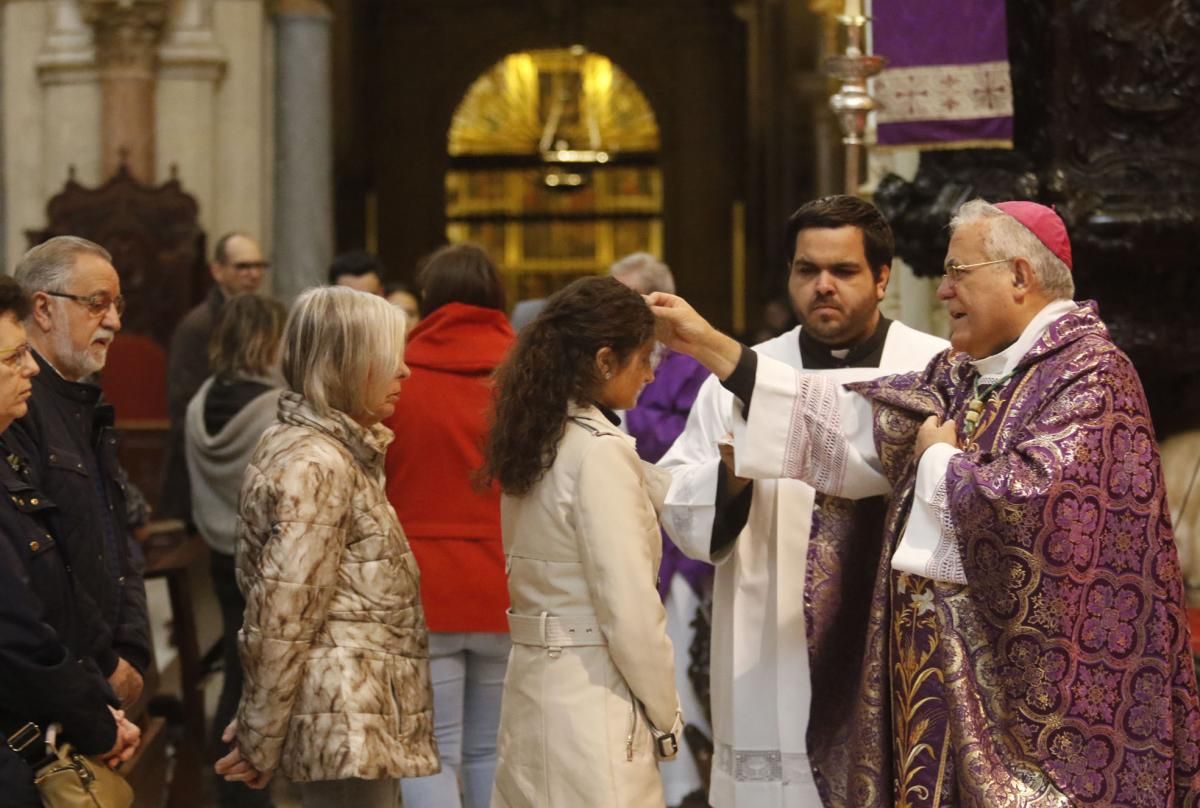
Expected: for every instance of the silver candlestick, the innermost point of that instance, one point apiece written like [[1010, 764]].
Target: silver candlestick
[[853, 103]]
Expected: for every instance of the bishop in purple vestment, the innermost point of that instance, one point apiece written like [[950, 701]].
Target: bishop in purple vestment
[[1027, 641]]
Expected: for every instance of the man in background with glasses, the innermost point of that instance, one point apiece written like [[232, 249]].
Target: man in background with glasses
[[69, 441], [1028, 640], [238, 267]]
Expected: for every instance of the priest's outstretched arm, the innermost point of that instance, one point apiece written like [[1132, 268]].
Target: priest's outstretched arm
[[801, 426]]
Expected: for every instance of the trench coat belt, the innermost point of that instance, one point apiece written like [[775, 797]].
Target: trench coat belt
[[547, 631]]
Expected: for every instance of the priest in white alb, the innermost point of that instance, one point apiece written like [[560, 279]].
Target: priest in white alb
[[758, 534]]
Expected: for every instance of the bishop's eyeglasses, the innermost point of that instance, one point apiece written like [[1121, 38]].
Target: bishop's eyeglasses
[[956, 272]]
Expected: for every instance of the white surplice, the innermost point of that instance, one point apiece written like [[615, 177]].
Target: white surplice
[[759, 660]]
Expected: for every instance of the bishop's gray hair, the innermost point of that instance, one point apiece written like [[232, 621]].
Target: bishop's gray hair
[[1008, 238], [649, 273]]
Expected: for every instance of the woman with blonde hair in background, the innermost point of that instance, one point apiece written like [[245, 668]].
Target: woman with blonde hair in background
[[334, 647]]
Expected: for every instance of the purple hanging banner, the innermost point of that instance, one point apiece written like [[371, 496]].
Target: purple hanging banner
[[947, 82]]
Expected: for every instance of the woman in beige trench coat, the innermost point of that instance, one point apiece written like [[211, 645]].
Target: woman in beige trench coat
[[589, 699]]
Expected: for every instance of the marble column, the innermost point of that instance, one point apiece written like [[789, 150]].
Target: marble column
[[244, 112], [66, 68], [127, 34], [303, 231], [191, 64], [26, 24]]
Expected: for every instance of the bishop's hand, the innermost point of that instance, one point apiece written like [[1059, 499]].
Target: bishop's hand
[[934, 431]]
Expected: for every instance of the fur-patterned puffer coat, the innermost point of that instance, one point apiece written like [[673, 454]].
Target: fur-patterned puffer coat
[[333, 643]]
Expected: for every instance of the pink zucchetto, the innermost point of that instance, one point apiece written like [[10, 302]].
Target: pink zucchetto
[[1044, 223]]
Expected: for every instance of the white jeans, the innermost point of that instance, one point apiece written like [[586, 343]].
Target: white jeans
[[468, 679]]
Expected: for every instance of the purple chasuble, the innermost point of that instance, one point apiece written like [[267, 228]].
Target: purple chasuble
[[1061, 674]]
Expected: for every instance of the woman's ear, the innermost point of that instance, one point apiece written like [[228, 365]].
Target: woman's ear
[[606, 362]]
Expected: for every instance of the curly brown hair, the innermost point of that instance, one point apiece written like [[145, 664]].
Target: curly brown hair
[[552, 365]]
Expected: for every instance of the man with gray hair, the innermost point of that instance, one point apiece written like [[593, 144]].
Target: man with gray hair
[[1028, 641], [645, 273], [68, 439]]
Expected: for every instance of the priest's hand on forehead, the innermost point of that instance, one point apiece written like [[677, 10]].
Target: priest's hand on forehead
[[681, 328], [678, 325]]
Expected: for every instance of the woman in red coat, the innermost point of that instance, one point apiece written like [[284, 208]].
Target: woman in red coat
[[453, 527]]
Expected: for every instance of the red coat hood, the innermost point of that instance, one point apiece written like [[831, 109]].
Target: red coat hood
[[460, 338]]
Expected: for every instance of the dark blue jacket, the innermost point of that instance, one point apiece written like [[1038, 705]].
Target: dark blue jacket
[[46, 630], [69, 440]]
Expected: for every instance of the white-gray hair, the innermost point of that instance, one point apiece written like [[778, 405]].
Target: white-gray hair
[[47, 267], [1008, 238], [340, 344], [650, 274]]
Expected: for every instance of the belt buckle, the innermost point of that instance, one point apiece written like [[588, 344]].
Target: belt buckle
[[667, 745], [21, 740]]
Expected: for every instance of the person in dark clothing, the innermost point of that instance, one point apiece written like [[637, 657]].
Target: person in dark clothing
[[237, 267], [225, 419], [71, 446], [46, 673], [359, 270]]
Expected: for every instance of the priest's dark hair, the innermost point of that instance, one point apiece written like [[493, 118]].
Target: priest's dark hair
[[843, 210], [554, 365]]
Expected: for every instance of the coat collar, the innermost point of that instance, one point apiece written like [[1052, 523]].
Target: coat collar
[[81, 392], [85, 394], [596, 420], [1078, 322], [367, 445]]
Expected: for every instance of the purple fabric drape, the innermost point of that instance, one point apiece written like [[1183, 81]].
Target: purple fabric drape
[[946, 90]]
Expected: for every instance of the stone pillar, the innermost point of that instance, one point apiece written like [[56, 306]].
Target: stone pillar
[[303, 231], [190, 66], [127, 33], [243, 139], [66, 68], [26, 24]]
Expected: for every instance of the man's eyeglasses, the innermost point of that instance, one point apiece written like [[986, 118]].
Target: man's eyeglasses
[[956, 272], [15, 357], [97, 304], [247, 266]]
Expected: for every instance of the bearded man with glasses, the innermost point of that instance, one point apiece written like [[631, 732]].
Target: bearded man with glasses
[[71, 445]]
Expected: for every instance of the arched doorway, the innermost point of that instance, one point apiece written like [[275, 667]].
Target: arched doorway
[[554, 168]]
